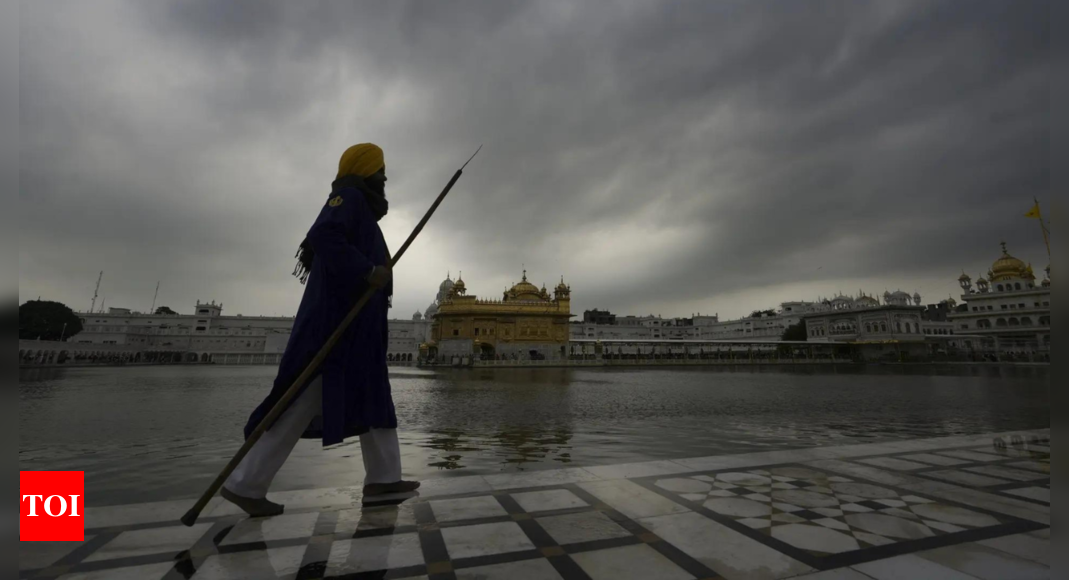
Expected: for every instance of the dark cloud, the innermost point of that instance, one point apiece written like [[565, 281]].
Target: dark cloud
[[683, 156]]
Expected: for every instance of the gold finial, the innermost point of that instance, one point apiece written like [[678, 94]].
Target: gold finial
[[1003, 243]]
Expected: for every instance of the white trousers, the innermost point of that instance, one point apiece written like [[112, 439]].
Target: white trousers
[[379, 448]]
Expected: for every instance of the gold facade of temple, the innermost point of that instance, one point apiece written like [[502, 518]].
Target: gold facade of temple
[[526, 322]]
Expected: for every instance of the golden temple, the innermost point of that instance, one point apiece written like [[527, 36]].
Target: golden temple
[[526, 324]]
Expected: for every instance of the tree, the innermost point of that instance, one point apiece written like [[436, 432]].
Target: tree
[[796, 333], [164, 310], [47, 320]]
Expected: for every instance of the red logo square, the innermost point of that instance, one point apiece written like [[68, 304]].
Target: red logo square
[[53, 506]]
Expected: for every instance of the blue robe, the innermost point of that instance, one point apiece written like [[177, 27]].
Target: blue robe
[[356, 387]]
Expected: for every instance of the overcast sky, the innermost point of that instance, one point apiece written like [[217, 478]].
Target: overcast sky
[[664, 157]]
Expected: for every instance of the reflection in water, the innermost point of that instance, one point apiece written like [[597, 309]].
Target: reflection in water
[[452, 442], [531, 421], [35, 375], [515, 447], [534, 446], [155, 433]]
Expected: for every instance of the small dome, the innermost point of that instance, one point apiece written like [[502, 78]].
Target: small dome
[[1046, 283], [417, 316], [1007, 267], [866, 301], [460, 288], [964, 278], [430, 311]]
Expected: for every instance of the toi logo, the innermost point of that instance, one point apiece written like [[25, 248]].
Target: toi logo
[[52, 506]]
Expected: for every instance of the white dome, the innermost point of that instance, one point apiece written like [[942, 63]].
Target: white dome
[[430, 311], [842, 303], [898, 298], [417, 316], [444, 289]]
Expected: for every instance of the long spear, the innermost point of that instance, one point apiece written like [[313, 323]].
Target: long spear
[[191, 516]]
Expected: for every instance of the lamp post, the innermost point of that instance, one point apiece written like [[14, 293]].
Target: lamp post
[[63, 332]]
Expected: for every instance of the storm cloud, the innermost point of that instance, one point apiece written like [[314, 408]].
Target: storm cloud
[[664, 157]]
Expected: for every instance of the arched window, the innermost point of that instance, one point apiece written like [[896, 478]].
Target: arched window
[[1017, 285], [868, 327], [1026, 321], [1001, 322], [1015, 322], [883, 327], [899, 326], [1044, 321], [1000, 289]]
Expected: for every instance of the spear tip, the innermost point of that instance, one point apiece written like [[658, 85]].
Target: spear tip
[[472, 157]]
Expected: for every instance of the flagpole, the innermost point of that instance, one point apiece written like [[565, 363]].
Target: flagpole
[[1043, 227]]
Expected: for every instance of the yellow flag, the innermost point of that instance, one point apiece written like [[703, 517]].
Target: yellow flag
[[1034, 212]]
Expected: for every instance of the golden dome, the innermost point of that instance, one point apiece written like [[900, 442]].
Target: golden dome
[[1007, 267], [525, 290]]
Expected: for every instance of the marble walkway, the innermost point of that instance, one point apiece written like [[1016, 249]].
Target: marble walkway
[[948, 508]]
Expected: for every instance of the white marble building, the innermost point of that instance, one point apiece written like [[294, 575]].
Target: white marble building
[[1008, 308], [866, 320], [210, 336], [205, 333], [762, 326], [636, 328]]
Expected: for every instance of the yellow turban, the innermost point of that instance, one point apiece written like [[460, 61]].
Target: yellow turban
[[361, 160]]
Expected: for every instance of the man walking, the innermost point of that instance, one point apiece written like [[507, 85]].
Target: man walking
[[343, 254]]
